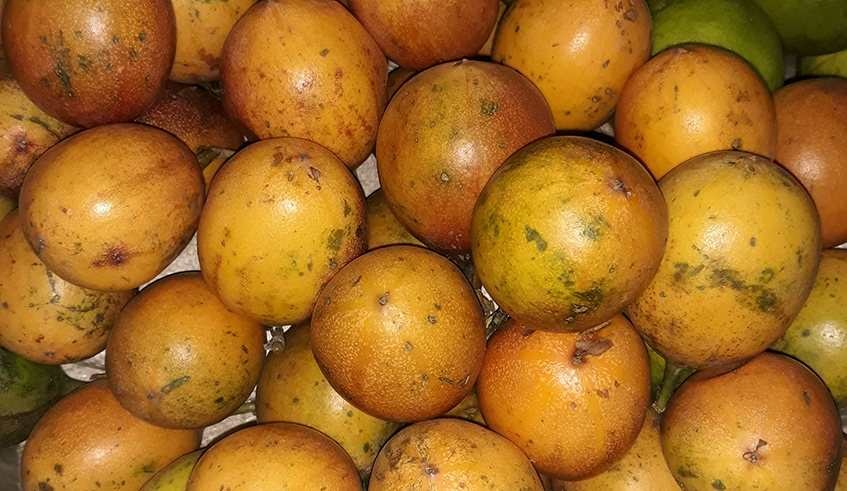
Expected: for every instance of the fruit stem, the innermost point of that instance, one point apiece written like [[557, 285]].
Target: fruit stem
[[674, 375]]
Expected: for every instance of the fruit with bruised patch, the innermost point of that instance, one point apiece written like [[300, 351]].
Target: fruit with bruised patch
[[444, 135], [111, 207], [201, 29], [579, 53], [26, 131], [743, 250], [292, 388], [567, 233], [88, 441], [197, 118], [275, 456], [43, 317], [383, 227], [573, 402], [283, 217], [770, 424], [818, 336], [453, 29], [177, 358], [331, 89], [690, 100], [90, 64], [399, 333], [450, 453]]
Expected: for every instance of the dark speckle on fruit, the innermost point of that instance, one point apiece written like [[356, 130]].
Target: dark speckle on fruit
[[717, 484], [175, 384], [113, 258], [532, 235], [324, 52], [43, 486], [736, 144], [806, 333], [489, 108], [807, 399]]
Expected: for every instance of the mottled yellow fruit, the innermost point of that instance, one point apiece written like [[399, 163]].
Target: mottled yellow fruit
[[743, 249], [383, 227], [174, 477]]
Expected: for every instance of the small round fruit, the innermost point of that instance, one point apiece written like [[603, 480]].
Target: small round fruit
[[201, 29], [643, 468], [383, 226], [443, 136], [567, 233], [90, 64], [109, 208], [453, 29], [275, 456], [88, 441], [811, 117], [331, 89], [177, 358], [292, 388], [770, 424], [690, 100], [399, 333], [451, 453], [743, 250], [818, 336], [573, 402], [283, 216], [43, 317], [809, 27], [579, 53]]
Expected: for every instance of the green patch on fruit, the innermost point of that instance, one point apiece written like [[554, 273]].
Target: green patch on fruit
[[532, 235], [175, 384]]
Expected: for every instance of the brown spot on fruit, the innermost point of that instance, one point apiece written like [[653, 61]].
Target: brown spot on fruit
[[113, 258]]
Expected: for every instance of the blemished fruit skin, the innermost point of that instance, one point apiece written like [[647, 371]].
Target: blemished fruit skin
[[454, 29], [177, 358], [174, 477], [579, 53], [399, 333], [450, 453], [818, 336], [111, 207], [443, 136], [770, 424], [742, 255], [282, 218], [643, 468], [693, 99], [292, 388], [739, 26], [88, 62], [811, 118], [43, 317], [331, 89], [201, 29], [88, 441], [568, 232], [573, 402], [275, 456]]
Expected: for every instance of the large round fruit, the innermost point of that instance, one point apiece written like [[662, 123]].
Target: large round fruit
[[809, 27], [567, 233]]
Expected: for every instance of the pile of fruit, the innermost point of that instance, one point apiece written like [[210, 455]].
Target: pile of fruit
[[602, 254]]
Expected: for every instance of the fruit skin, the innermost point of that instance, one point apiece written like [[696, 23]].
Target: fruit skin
[[690, 100], [833, 64], [292, 388], [809, 27], [739, 26], [332, 90], [818, 336], [282, 218], [579, 54], [452, 454], [201, 29], [177, 358], [275, 456], [90, 63], [743, 250], [443, 136], [383, 227], [27, 132], [43, 317], [109, 208], [643, 468], [88, 438], [811, 118], [567, 233], [453, 29], [399, 333], [174, 477], [770, 424], [573, 402]]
